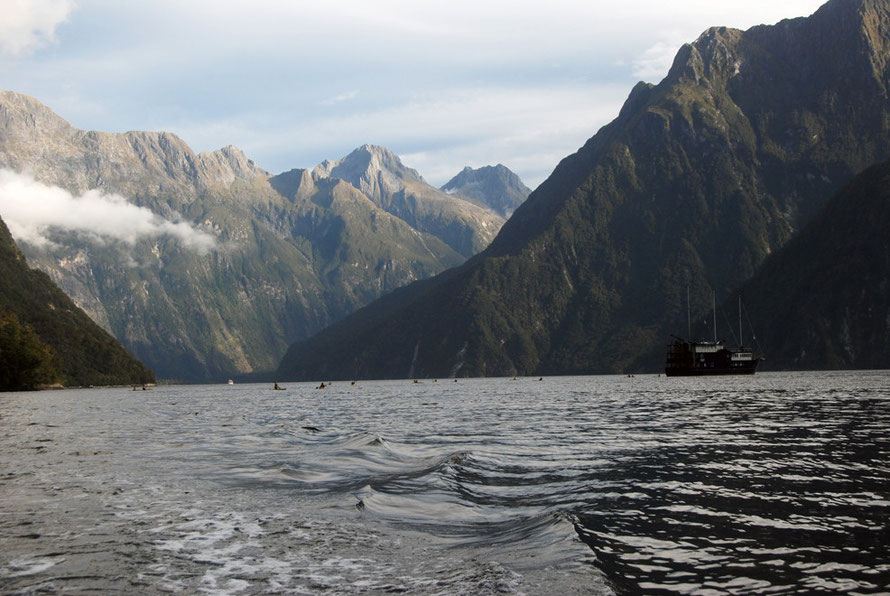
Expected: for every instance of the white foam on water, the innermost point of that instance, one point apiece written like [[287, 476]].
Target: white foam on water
[[23, 566], [216, 550]]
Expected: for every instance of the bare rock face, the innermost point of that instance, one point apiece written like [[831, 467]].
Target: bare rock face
[[495, 187], [379, 174], [289, 254], [34, 138]]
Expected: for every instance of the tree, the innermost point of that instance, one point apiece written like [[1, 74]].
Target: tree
[[25, 361]]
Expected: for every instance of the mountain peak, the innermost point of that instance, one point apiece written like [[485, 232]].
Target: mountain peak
[[370, 168], [495, 187], [711, 57], [21, 113], [857, 26], [379, 174], [142, 159], [228, 163]]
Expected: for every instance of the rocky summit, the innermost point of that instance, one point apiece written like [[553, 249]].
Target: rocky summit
[[495, 187], [693, 185], [211, 266], [379, 174]]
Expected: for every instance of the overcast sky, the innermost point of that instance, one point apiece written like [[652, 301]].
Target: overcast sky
[[444, 84]]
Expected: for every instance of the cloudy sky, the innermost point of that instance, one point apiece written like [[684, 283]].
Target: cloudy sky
[[293, 82]]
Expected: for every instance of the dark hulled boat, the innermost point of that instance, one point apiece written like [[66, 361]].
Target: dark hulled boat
[[690, 358]]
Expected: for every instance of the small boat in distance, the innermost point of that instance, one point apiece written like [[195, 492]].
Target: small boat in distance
[[696, 358]]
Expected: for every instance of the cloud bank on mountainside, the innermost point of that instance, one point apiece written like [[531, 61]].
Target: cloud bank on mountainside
[[33, 209]]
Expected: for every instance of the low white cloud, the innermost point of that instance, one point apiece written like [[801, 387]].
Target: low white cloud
[[27, 25], [32, 210]]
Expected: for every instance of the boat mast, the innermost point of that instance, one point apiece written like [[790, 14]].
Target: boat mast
[[715, 315], [741, 341], [688, 317]]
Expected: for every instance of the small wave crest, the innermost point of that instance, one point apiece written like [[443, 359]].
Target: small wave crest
[[336, 464], [532, 536]]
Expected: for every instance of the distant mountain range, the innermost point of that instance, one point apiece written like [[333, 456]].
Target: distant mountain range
[[379, 174], [695, 183], [495, 187], [46, 339], [211, 266]]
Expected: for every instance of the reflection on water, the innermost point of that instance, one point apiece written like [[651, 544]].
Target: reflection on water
[[752, 494], [772, 483]]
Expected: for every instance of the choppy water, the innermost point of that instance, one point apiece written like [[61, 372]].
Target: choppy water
[[776, 483]]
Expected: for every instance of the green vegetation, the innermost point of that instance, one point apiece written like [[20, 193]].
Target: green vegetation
[[47, 339], [25, 362]]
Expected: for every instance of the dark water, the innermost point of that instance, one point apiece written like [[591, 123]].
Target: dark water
[[778, 483]]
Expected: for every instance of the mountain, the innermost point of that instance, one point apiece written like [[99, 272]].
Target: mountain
[[45, 338], [495, 187], [823, 300], [401, 191], [212, 266], [693, 185]]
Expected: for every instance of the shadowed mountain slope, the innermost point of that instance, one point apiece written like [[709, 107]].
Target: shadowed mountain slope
[[823, 300], [695, 182]]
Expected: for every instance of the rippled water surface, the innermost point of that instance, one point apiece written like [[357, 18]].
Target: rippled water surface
[[778, 483]]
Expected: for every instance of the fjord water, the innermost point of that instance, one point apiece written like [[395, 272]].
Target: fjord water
[[774, 483]]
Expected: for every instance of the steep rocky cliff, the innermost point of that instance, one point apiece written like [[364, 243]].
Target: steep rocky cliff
[[238, 263]]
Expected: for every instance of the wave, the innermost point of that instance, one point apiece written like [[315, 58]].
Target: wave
[[334, 464]]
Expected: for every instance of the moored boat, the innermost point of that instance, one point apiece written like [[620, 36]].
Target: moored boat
[[687, 358]]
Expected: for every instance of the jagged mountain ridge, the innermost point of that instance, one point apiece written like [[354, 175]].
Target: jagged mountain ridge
[[83, 352], [80, 160], [285, 264], [401, 191], [495, 187], [695, 182]]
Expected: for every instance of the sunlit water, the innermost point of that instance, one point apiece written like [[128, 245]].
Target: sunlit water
[[778, 483]]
